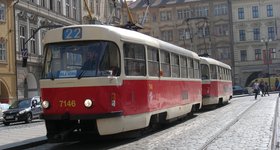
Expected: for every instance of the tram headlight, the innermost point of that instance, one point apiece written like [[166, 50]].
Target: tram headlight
[[45, 104], [88, 103]]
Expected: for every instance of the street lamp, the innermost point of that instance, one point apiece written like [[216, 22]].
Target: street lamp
[[266, 41]]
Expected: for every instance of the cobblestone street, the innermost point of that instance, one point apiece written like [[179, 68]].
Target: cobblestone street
[[243, 124]]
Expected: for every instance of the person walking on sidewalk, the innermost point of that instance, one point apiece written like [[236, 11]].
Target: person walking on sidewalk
[[278, 87], [266, 87], [256, 88], [261, 87]]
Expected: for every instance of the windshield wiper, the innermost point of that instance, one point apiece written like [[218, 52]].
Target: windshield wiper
[[52, 76], [81, 74]]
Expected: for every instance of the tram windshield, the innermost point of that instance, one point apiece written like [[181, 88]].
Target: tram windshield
[[81, 59]]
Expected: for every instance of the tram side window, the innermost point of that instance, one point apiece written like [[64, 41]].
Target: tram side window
[[225, 74], [134, 59], [204, 72], [184, 69], [196, 69], [175, 65], [165, 63], [111, 59], [190, 68], [213, 71], [153, 61], [221, 73]]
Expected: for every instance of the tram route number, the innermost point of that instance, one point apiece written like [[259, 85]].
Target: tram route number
[[67, 103]]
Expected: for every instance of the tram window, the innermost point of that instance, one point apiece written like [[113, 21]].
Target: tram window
[[134, 58], [220, 73], [184, 70], [73, 60], [153, 61], [213, 71], [175, 65], [110, 60], [204, 72], [196, 69], [165, 63], [190, 68]]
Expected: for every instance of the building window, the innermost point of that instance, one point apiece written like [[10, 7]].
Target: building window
[[43, 3], [97, 7], [167, 35], [269, 10], [271, 34], [180, 14], [187, 13], [2, 12], [22, 34], [2, 51], [221, 30], [243, 55], [202, 12], [67, 3], [165, 15], [258, 54], [33, 42], [273, 53], [59, 9], [256, 32], [75, 9], [224, 53], [240, 13], [242, 35], [182, 34], [220, 10], [255, 11]]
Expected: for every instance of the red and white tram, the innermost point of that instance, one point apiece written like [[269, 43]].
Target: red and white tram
[[216, 81], [132, 80]]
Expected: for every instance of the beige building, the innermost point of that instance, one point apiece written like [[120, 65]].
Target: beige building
[[101, 12], [256, 26], [7, 52], [200, 26]]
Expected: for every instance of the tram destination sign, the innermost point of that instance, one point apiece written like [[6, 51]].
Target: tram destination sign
[[72, 33]]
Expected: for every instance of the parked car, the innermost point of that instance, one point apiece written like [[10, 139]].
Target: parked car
[[238, 90], [3, 107], [23, 110]]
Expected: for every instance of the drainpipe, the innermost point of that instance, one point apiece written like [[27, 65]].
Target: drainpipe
[[14, 24]]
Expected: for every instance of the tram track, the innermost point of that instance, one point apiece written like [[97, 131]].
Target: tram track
[[231, 123], [275, 138]]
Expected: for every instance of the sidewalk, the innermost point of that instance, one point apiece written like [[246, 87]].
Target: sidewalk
[[27, 135]]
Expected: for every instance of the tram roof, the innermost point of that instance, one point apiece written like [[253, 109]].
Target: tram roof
[[207, 60], [116, 33]]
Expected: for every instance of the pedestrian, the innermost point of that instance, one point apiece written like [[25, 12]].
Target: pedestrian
[[256, 88], [261, 87], [266, 87], [276, 84], [278, 87]]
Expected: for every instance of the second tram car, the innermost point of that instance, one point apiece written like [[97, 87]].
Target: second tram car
[[216, 82], [130, 81]]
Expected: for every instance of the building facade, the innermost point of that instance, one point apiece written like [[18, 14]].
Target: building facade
[[256, 26], [101, 11], [32, 19], [202, 26], [7, 52]]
